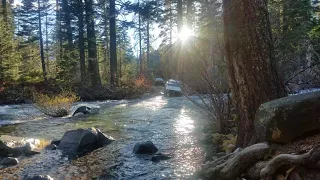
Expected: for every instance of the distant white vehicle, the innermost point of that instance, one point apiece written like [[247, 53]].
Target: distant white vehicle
[[172, 88], [158, 82]]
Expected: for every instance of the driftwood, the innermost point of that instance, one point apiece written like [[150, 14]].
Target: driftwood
[[233, 165], [310, 158]]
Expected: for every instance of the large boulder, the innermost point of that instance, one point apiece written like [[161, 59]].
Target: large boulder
[[81, 141], [286, 119]]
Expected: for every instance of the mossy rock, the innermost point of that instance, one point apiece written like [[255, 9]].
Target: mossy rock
[[286, 119]]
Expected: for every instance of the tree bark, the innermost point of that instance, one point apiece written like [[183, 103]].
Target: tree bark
[[180, 15], [113, 44], [47, 42], [93, 64], [66, 10], [43, 64], [252, 70], [4, 10], [58, 31], [148, 44], [189, 13], [81, 43], [140, 41], [106, 40]]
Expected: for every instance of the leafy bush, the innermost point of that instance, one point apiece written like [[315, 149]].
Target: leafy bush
[[56, 106], [142, 83]]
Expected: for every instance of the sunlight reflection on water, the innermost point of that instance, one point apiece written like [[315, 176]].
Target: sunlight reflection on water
[[155, 104], [184, 124], [184, 127]]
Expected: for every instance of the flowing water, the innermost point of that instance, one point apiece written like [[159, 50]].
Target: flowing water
[[172, 124]]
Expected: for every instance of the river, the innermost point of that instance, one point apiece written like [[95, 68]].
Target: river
[[173, 124]]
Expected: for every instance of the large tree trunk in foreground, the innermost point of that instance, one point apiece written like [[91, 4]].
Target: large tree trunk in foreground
[[93, 65], [252, 71]]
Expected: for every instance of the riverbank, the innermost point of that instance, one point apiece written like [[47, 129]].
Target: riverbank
[[18, 93]]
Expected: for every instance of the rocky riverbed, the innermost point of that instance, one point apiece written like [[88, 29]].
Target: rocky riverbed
[[173, 124]]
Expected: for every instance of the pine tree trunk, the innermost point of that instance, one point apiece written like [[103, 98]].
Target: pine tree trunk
[[81, 44], [106, 40], [67, 19], [93, 66], [113, 44], [170, 57], [178, 48], [120, 64], [252, 70], [4, 10], [43, 64], [58, 31], [148, 45], [47, 42], [140, 41], [189, 13], [180, 15]]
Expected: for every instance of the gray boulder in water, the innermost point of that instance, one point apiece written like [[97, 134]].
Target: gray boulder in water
[[9, 161], [4, 149], [145, 148], [78, 142], [27, 150], [86, 110]]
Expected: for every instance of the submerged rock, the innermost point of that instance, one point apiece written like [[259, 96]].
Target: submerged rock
[[160, 157], [4, 149], [145, 148], [284, 120], [39, 177], [27, 149], [9, 161], [81, 141], [51, 147], [86, 110], [55, 142]]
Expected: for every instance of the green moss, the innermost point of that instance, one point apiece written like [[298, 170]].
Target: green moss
[[7, 129], [223, 141], [105, 125]]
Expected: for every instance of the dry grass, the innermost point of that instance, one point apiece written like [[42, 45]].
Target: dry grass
[[143, 83], [56, 106], [43, 143]]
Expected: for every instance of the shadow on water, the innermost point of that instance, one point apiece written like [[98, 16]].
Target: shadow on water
[[172, 124]]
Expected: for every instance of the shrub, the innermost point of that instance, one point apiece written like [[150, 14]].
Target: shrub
[[143, 84], [55, 106]]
